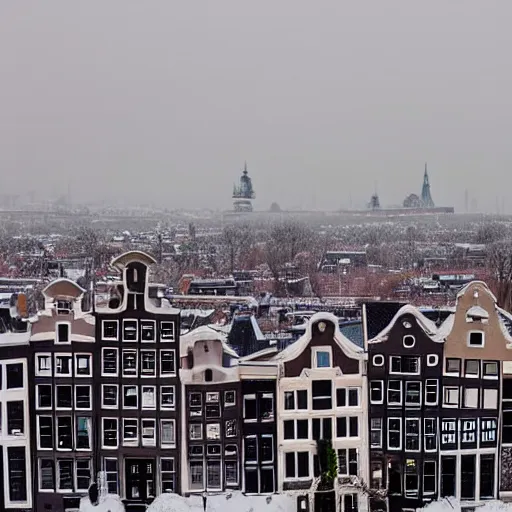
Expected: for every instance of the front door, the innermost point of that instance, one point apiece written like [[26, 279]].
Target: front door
[[140, 479]]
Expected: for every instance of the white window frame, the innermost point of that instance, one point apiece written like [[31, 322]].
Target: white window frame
[[173, 337], [38, 408], [431, 382], [425, 493], [228, 404], [408, 336], [448, 432], [467, 389], [57, 475], [491, 377], [122, 398], [38, 432], [172, 374], [249, 397], [57, 342], [75, 404], [40, 475], [232, 461], [409, 404], [111, 407], [409, 420], [172, 472], [381, 356], [271, 437], [73, 427], [401, 358], [71, 364], [381, 385], [136, 340], [401, 434], [126, 440], [474, 422], [147, 375], [78, 355], [395, 404], [145, 322], [193, 429], [147, 441], [425, 435], [173, 422], [75, 434], [296, 455], [472, 375], [103, 374], [104, 467], [75, 467], [452, 374], [495, 391], [108, 338], [103, 446], [130, 351], [314, 357], [43, 373], [433, 362], [372, 429], [168, 407], [56, 387], [358, 392], [145, 406], [411, 493], [469, 337], [481, 430], [448, 389]]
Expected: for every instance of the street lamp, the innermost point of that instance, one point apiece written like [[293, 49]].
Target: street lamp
[[205, 496]]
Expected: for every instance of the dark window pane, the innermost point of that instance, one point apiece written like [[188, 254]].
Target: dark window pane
[[14, 376], [17, 473], [302, 399]]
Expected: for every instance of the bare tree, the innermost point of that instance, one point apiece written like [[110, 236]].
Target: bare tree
[[500, 267], [236, 240]]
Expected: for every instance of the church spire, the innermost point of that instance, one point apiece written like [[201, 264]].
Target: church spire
[[426, 198]]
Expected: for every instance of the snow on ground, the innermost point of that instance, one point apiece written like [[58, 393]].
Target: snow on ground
[[453, 505], [170, 502], [110, 503]]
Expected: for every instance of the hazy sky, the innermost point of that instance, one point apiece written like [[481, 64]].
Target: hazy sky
[[164, 100]]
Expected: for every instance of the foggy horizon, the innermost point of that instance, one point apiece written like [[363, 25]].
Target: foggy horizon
[[162, 102]]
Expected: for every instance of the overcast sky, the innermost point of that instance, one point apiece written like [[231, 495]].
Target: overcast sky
[[164, 100]]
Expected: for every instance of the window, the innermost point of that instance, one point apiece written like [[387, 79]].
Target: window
[[341, 427], [64, 433], [229, 398], [353, 397], [213, 475], [448, 475], [110, 433], [297, 465], [472, 368], [322, 394], [83, 474], [231, 472], [351, 502], [208, 375], [17, 473], [296, 400], [376, 475], [409, 341], [453, 366], [63, 365], [130, 328], [376, 432], [394, 433], [322, 358], [413, 393], [267, 445], [322, 428], [451, 396], [129, 363], [507, 426], [266, 407], [168, 433], [471, 397], [167, 397], [195, 402], [341, 397], [83, 433], [230, 428], [45, 431], [167, 363], [148, 363], [476, 339], [148, 432], [430, 434], [250, 408], [411, 477], [109, 362], [63, 333], [167, 474], [432, 360], [110, 466], [429, 477], [46, 475], [148, 397], [430, 392], [65, 474], [490, 400], [64, 397], [109, 395], [167, 331], [448, 431], [490, 369], [83, 397], [378, 360], [44, 396], [251, 449], [412, 434], [405, 364], [14, 373], [110, 329], [130, 431], [376, 392], [488, 430], [487, 471], [15, 418], [130, 397], [467, 477], [468, 431], [44, 365], [147, 331], [212, 409], [348, 464], [394, 392], [213, 431], [83, 366]]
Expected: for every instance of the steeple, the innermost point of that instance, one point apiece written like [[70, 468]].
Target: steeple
[[426, 198]]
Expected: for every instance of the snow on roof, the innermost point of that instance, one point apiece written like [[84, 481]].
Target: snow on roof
[[477, 312], [129, 257], [349, 348], [445, 328], [506, 333], [464, 289], [14, 338], [56, 282], [427, 325], [204, 333], [257, 331]]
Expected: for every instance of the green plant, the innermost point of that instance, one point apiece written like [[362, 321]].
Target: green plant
[[328, 462]]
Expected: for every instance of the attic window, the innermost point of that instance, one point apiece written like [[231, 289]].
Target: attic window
[[407, 324], [476, 339], [62, 333], [64, 307], [409, 341], [208, 375]]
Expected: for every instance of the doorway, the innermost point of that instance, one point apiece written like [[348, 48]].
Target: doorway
[[140, 479]]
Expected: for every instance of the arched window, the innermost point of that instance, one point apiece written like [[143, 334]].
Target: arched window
[[208, 375]]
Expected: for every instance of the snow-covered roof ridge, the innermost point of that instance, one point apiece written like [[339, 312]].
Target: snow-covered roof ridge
[[477, 312], [428, 327], [59, 280], [465, 288], [204, 333], [503, 327], [348, 347]]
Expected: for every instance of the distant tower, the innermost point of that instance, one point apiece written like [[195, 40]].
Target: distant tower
[[426, 198], [244, 193]]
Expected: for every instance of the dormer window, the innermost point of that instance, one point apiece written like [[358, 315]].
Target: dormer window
[[322, 357], [409, 341], [64, 307], [476, 339], [62, 334]]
